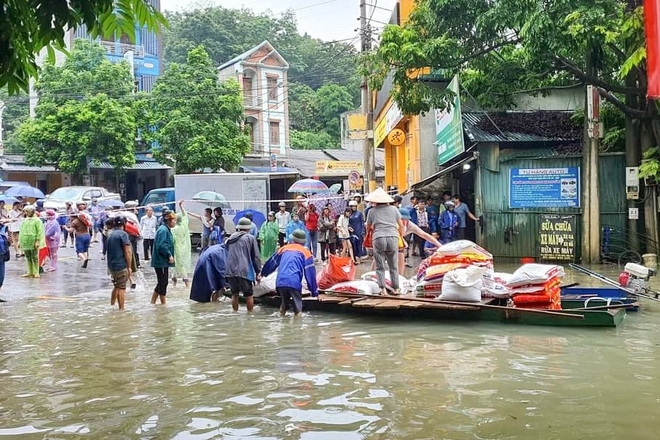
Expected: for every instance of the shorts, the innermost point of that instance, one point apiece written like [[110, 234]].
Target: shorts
[[240, 285], [82, 243], [119, 278], [294, 296]]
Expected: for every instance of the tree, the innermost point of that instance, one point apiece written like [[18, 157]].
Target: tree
[[333, 100], [17, 109], [30, 26], [197, 119], [313, 64], [307, 140], [501, 47], [84, 113]]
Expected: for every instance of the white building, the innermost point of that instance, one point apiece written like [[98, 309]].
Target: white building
[[261, 73]]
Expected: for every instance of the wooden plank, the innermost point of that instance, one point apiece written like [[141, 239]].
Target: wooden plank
[[350, 301], [368, 302], [411, 305], [331, 299], [387, 304]]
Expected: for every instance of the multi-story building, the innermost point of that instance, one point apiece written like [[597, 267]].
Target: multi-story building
[[261, 73], [145, 55]]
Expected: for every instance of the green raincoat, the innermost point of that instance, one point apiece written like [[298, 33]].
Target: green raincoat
[[268, 236], [182, 246], [32, 231]]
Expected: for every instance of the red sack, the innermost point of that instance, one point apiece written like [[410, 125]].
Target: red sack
[[86, 219], [338, 270], [368, 239], [132, 229]]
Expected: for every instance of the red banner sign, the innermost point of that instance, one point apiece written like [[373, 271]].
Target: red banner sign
[[652, 24]]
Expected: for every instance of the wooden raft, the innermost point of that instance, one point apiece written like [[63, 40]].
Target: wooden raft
[[387, 303]]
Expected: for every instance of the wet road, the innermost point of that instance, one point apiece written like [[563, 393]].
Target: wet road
[[72, 366]]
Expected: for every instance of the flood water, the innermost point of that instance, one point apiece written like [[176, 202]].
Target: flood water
[[73, 367]]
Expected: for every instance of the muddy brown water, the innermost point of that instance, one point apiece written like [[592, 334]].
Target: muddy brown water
[[73, 367]]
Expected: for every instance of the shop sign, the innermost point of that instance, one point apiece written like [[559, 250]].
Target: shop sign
[[544, 187], [557, 237], [449, 127], [337, 167], [387, 123]]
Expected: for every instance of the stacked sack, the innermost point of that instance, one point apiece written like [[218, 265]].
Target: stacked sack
[[457, 255], [536, 286]]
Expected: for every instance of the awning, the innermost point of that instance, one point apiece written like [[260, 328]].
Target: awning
[[450, 168], [139, 165]]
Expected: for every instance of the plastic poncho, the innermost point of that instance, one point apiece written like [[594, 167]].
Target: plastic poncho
[[209, 273], [182, 246], [32, 231], [268, 235], [292, 226]]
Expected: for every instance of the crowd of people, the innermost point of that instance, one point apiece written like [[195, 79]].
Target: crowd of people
[[301, 235]]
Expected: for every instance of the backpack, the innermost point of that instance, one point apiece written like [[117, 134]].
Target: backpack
[[5, 251]]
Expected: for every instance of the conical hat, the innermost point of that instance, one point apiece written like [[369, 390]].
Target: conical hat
[[379, 196]]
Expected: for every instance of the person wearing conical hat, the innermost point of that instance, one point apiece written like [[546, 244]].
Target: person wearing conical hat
[[384, 221], [32, 238]]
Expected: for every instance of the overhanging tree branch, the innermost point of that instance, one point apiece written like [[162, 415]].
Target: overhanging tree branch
[[641, 114], [588, 79]]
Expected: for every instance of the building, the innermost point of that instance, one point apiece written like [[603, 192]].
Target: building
[[145, 55], [261, 73]]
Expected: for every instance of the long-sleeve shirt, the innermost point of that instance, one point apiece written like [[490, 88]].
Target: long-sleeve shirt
[[243, 259], [293, 261], [148, 227], [163, 248]]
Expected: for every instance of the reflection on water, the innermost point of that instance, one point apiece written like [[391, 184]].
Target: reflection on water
[[78, 368]]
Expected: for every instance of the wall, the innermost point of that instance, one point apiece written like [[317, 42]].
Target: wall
[[558, 99], [494, 200], [53, 180], [428, 151]]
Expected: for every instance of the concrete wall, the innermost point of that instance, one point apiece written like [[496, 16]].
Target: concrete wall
[[558, 99]]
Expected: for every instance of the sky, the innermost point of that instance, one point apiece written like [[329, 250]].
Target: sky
[[328, 20]]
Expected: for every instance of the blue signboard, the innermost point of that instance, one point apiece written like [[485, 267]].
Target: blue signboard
[[544, 187]]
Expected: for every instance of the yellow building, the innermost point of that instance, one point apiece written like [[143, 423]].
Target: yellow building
[[396, 133]]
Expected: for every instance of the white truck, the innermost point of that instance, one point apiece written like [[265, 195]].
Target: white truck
[[242, 190]]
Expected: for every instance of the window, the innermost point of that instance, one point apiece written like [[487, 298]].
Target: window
[[272, 88], [247, 90], [274, 133], [249, 126]]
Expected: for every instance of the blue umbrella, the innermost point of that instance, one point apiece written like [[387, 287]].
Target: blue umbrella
[[308, 186], [25, 191], [111, 203], [257, 217], [8, 199]]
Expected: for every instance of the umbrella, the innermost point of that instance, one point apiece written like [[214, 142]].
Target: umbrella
[[25, 191], [111, 203], [211, 199], [257, 217], [308, 186], [8, 199]]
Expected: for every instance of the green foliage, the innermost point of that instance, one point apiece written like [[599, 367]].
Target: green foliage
[[30, 26], [650, 166], [501, 47], [84, 113], [17, 109], [196, 119], [614, 122], [313, 64], [306, 140]]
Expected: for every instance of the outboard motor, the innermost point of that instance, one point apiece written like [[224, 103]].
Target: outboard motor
[[636, 277]]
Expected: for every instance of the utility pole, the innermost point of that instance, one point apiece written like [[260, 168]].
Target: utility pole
[[2, 145], [366, 104]]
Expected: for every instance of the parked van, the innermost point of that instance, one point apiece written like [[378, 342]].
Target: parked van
[[157, 197]]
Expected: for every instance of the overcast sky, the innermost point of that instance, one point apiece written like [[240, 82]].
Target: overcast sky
[[328, 20]]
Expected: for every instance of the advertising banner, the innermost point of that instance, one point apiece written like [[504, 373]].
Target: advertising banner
[[544, 187], [652, 25], [449, 127], [556, 237], [337, 167]]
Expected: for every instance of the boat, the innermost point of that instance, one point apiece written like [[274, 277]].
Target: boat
[[573, 297], [490, 309]]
